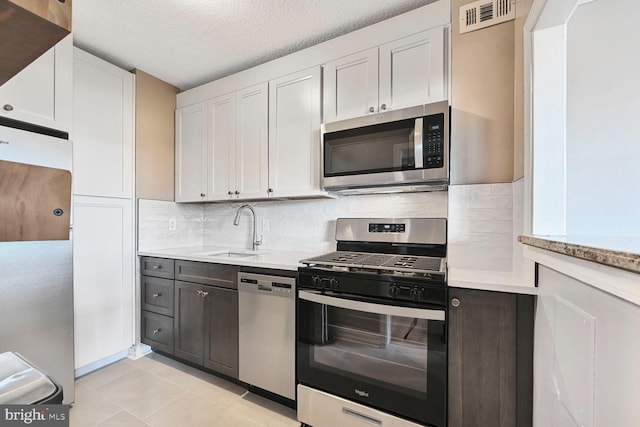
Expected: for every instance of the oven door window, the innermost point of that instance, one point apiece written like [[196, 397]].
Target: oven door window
[[394, 362]]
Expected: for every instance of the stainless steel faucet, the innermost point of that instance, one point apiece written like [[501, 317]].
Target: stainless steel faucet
[[256, 242]]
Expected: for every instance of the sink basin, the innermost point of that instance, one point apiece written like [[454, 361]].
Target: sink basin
[[234, 254], [230, 253]]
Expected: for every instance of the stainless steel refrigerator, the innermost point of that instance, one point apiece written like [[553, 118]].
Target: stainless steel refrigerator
[[36, 289]]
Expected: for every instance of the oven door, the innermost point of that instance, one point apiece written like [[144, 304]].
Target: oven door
[[389, 357]]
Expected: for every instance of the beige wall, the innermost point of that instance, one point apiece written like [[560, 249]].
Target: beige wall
[[486, 100], [155, 117]]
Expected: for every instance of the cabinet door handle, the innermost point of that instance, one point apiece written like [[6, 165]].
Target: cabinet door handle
[[157, 294], [270, 190], [156, 267], [230, 192], [203, 294], [371, 109], [202, 194], [7, 107], [455, 302], [156, 331], [383, 107], [237, 192]]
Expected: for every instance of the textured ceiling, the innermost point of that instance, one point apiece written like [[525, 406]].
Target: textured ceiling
[[190, 42]]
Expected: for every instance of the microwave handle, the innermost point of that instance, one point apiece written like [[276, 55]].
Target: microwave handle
[[417, 144], [367, 307]]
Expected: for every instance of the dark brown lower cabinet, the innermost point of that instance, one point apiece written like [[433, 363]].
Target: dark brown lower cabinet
[[189, 321], [206, 326], [490, 359], [221, 342]]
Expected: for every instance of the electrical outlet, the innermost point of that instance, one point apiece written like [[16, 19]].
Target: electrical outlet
[[172, 224], [265, 224]]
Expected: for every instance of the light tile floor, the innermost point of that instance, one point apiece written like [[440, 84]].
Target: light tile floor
[[160, 392]]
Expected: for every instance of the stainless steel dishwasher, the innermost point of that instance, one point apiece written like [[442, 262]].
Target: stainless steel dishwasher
[[266, 310]]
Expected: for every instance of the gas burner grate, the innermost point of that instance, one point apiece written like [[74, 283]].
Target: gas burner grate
[[363, 260]]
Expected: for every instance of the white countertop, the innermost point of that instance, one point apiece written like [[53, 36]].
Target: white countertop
[[280, 260]]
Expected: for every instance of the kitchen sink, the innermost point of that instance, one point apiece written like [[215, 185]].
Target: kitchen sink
[[230, 253]]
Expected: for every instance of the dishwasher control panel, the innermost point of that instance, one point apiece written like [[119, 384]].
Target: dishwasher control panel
[[250, 282]]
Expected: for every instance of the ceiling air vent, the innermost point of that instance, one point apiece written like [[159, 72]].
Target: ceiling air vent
[[485, 13]]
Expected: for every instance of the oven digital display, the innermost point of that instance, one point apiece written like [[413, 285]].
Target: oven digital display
[[386, 228]]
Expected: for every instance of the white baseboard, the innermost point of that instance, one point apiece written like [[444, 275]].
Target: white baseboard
[[84, 370], [138, 351]]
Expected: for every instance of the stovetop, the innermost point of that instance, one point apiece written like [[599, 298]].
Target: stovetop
[[376, 261]]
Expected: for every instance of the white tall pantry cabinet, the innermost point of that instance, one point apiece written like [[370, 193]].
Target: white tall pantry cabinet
[[103, 195]]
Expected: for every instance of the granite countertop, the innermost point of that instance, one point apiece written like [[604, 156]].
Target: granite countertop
[[618, 252], [279, 260]]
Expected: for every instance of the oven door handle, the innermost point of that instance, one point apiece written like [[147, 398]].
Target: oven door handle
[[416, 313]]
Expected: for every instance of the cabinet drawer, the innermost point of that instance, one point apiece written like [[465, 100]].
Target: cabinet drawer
[[157, 331], [157, 295], [157, 267], [225, 276]]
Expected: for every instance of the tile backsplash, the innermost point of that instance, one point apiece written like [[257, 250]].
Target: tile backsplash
[[483, 223], [293, 225]]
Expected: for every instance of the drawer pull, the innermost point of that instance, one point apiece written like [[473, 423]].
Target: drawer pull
[[157, 294], [156, 267], [203, 294], [7, 107], [156, 331]]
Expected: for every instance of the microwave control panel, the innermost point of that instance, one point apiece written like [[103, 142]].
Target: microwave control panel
[[433, 141]]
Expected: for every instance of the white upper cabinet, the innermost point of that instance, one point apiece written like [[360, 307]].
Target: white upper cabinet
[[406, 72], [222, 147], [103, 130], [294, 134], [251, 147], [351, 86], [41, 93], [221, 153], [191, 152], [412, 70]]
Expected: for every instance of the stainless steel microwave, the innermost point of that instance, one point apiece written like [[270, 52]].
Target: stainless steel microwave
[[402, 148]]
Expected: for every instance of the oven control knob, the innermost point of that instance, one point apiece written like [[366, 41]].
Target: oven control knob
[[316, 281], [414, 293], [393, 291], [333, 283]]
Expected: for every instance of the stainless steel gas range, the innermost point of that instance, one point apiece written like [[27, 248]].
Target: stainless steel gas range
[[372, 326]]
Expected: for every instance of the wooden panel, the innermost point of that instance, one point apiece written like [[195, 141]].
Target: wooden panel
[[189, 321], [221, 344], [157, 331], [157, 295], [55, 11], [30, 197], [222, 275], [155, 107], [482, 359], [24, 36], [157, 267]]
